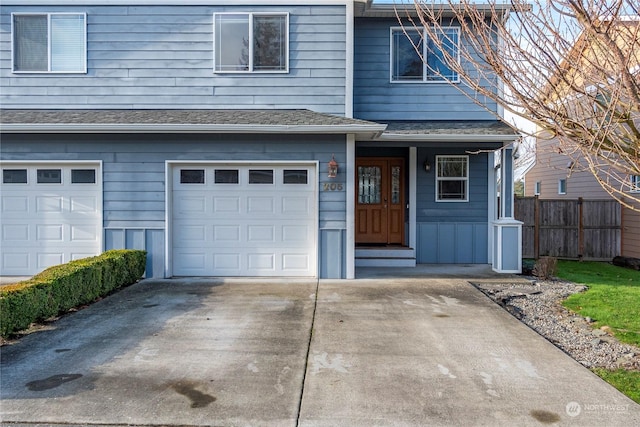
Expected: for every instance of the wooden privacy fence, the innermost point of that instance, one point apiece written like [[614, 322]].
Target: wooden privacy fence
[[573, 229]]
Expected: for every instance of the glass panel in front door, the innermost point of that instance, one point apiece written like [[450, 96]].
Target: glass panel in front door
[[369, 179]]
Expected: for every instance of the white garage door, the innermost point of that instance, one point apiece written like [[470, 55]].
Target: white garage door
[[241, 220], [51, 214]]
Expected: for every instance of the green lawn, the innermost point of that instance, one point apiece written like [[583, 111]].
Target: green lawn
[[628, 382], [613, 299]]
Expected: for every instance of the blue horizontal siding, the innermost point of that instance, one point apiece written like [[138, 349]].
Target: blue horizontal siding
[[162, 57], [475, 210], [376, 98], [134, 166]]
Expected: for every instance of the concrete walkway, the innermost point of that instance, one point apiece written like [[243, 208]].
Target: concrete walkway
[[375, 351]]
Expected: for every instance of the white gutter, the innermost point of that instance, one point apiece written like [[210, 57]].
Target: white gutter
[[370, 130], [447, 137]]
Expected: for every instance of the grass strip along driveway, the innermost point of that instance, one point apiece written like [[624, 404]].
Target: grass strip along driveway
[[612, 300]]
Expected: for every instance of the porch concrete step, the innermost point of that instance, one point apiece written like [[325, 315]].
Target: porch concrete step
[[385, 262], [385, 257]]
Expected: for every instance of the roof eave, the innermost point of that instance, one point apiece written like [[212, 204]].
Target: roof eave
[[364, 130], [447, 137]]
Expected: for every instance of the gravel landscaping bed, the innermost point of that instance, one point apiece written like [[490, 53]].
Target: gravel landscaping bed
[[539, 305]]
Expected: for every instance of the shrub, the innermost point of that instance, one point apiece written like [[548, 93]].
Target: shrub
[[545, 268], [62, 287]]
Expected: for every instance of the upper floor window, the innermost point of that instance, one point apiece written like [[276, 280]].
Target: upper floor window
[[49, 42], [635, 183], [251, 42], [452, 178], [414, 60]]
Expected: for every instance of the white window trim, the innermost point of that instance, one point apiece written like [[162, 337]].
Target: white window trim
[[560, 186], [634, 183], [251, 70], [465, 179], [425, 79], [537, 186], [48, 15]]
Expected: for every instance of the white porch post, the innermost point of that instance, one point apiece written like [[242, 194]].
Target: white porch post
[[350, 256], [507, 232], [413, 196]]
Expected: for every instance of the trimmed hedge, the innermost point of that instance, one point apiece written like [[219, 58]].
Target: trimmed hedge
[[62, 287]]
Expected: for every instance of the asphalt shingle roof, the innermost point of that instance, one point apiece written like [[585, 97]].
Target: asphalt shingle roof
[[450, 127], [181, 117]]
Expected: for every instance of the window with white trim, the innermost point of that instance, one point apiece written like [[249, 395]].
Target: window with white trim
[[537, 187], [452, 178], [413, 60], [635, 183], [251, 42], [562, 186], [49, 42]]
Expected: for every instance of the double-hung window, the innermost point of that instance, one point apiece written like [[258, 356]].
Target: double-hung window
[[49, 42], [417, 58], [251, 42], [452, 178]]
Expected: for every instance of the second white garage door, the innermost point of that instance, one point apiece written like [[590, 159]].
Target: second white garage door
[[244, 220]]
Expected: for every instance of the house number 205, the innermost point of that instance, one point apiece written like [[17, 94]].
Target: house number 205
[[331, 186]]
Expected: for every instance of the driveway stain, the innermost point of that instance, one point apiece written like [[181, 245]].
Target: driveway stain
[[198, 399], [51, 382], [545, 417]]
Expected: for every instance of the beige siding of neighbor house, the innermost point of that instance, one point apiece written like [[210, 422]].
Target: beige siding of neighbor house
[[551, 166], [631, 232]]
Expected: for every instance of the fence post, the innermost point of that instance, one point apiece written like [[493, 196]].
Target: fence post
[[580, 229]]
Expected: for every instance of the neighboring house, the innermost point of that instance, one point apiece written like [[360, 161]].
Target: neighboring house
[[558, 174], [262, 138]]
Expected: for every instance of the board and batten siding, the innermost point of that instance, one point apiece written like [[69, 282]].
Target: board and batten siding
[[376, 98], [162, 57], [134, 179], [452, 232]]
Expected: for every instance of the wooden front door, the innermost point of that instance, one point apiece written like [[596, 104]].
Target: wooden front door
[[380, 200]]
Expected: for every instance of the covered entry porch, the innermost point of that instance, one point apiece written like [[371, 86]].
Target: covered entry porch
[[427, 193]]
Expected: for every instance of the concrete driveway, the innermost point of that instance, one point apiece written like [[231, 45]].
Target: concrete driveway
[[368, 352]]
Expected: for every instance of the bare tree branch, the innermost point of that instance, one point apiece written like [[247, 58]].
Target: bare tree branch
[[571, 67]]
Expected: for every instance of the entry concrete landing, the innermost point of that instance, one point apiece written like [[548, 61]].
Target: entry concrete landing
[[437, 352]]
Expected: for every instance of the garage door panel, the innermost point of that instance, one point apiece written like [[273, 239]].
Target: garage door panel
[[247, 229], [84, 204], [50, 232], [226, 205], [14, 204], [49, 204], [44, 224]]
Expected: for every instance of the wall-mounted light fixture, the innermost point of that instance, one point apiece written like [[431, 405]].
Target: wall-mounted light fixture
[[426, 166], [333, 167]]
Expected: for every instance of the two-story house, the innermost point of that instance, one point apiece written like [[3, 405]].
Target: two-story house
[[561, 170], [242, 138]]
